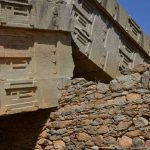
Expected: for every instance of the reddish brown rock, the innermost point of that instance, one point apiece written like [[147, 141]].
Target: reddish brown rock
[[99, 102], [59, 145], [125, 142], [147, 143], [54, 115], [83, 137], [44, 134], [104, 116], [133, 134], [98, 140], [42, 141], [48, 148], [133, 96], [98, 95], [92, 116], [103, 129]]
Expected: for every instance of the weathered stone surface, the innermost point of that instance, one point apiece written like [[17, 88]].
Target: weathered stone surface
[[125, 142], [119, 117], [59, 131], [83, 137], [54, 115], [125, 82], [103, 129], [145, 79], [147, 143], [59, 124], [95, 148], [98, 140], [147, 135], [140, 68], [48, 148], [135, 133], [63, 84], [146, 98], [102, 88], [123, 125], [42, 141], [59, 145], [92, 130], [66, 139], [133, 97], [140, 122], [97, 120], [98, 95], [44, 134], [138, 142]]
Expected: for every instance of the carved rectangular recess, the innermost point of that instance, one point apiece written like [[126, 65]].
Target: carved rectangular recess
[[15, 11], [127, 56], [19, 64], [128, 49], [15, 84], [87, 6], [125, 61], [16, 68], [20, 94], [16, 64], [82, 37], [15, 45], [82, 21], [134, 29]]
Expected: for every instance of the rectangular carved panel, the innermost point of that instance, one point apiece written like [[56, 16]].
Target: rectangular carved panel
[[15, 12], [20, 94]]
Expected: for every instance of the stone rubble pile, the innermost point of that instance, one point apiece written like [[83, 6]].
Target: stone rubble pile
[[101, 116]]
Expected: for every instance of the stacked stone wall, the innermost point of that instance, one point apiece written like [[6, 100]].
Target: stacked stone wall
[[90, 116], [101, 116]]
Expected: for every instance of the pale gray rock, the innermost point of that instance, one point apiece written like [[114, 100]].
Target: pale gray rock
[[102, 88], [125, 82], [140, 122]]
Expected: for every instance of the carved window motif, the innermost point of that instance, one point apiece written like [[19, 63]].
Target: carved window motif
[[127, 57], [15, 11], [20, 11], [125, 61], [87, 6], [19, 64], [81, 37], [25, 93], [134, 28], [82, 20]]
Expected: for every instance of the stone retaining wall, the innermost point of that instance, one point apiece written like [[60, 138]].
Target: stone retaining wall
[[100, 116], [90, 117]]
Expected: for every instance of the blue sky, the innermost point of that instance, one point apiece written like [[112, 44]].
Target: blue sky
[[139, 10]]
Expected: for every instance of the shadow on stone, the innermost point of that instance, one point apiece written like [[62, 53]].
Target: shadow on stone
[[21, 131], [85, 68]]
